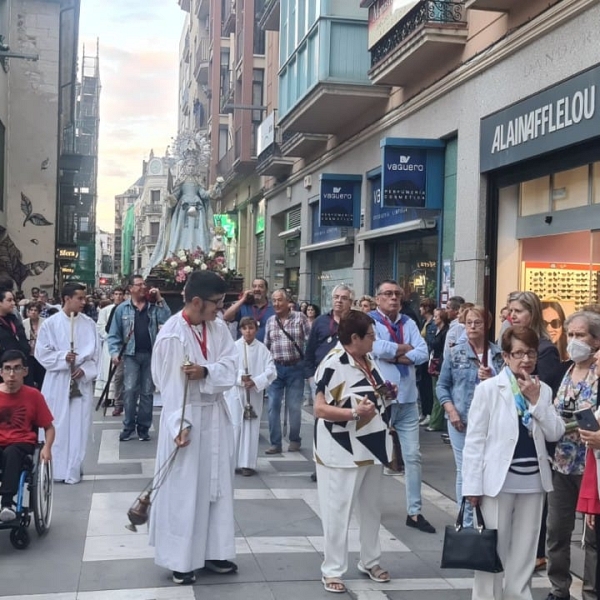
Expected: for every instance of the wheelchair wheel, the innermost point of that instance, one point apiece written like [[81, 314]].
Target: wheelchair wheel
[[41, 496], [19, 538]]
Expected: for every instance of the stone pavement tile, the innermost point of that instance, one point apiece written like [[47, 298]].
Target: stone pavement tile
[[295, 466], [133, 468], [166, 593], [290, 567], [399, 564], [300, 480], [109, 486], [251, 591], [276, 518], [433, 558], [122, 574], [426, 595], [301, 590]]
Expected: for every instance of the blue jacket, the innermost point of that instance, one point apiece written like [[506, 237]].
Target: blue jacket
[[322, 338], [458, 377], [123, 321]]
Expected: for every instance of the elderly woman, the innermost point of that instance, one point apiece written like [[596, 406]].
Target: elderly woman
[[351, 446], [578, 390], [463, 369], [505, 463]]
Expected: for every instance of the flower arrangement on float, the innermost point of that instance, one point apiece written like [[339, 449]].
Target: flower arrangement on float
[[175, 269]]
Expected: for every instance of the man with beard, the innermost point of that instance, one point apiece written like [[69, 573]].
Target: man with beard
[[253, 303]]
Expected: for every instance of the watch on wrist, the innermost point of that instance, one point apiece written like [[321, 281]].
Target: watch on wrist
[[355, 415]]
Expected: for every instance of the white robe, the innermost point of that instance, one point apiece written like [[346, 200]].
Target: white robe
[[105, 361], [72, 417], [191, 520], [262, 369]]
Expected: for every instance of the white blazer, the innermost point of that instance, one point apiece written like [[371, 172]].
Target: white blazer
[[492, 435]]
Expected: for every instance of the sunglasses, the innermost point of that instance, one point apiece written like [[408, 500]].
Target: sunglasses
[[555, 323]]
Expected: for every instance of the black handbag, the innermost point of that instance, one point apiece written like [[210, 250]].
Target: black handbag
[[471, 547]]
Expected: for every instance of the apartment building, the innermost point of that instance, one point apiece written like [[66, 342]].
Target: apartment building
[[37, 110], [124, 230], [449, 144]]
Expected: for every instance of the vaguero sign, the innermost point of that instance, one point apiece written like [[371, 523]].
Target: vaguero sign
[[560, 116], [339, 201]]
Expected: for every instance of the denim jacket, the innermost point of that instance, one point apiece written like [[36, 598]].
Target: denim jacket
[[123, 321], [458, 377]]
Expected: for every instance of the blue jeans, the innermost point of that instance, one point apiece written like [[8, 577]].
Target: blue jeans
[[457, 439], [289, 382], [137, 381], [405, 420]]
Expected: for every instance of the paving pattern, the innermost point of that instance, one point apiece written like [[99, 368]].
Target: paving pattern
[[90, 555]]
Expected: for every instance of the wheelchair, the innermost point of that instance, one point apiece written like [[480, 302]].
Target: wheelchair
[[33, 500]]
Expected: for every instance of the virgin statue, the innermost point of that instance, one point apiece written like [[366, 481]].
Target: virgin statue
[[187, 221]]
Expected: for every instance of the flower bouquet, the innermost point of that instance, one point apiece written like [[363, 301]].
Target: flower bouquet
[[175, 269]]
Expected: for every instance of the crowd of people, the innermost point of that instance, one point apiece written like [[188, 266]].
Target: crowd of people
[[372, 366]]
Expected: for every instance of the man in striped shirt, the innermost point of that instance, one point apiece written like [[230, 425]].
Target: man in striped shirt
[[285, 336]]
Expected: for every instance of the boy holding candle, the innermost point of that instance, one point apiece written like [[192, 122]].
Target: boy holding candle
[[256, 371]]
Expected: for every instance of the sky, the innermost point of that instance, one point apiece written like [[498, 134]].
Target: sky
[[139, 74]]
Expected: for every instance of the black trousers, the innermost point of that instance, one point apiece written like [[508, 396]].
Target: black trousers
[[11, 460], [425, 387]]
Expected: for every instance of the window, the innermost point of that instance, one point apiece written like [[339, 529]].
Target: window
[[154, 230], [258, 77], [259, 34], [155, 196], [223, 141]]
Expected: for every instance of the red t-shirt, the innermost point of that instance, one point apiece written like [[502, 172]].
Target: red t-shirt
[[20, 413]]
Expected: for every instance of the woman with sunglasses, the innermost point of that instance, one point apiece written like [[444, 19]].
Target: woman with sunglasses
[[554, 319], [505, 462]]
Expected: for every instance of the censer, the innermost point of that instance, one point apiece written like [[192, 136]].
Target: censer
[[139, 511]]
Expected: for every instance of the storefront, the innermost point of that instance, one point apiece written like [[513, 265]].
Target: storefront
[[542, 157]]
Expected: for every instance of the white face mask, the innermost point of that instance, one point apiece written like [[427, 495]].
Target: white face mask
[[578, 350]]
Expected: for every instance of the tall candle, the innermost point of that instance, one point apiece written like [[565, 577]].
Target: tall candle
[[246, 357], [72, 330]]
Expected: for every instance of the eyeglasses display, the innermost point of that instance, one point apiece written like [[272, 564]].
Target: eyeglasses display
[[563, 282]]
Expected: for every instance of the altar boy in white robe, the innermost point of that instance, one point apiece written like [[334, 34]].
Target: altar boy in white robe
[[68, 348], [191, 521], [256, 371]]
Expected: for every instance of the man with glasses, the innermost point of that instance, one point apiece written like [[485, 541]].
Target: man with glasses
[[135, 324], [23, 410], [194, 363], [398, 348]]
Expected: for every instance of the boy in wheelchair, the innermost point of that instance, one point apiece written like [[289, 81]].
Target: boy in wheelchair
[[23, 411]]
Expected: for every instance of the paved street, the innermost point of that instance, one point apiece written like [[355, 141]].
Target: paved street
[[89, 555]]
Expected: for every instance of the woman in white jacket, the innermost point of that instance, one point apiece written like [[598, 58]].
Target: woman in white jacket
[[505, 464]]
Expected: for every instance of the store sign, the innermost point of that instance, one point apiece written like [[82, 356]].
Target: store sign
[[384, 15], [563, 115], [404, 177], [339, 201], [266, 134], [68, 254]]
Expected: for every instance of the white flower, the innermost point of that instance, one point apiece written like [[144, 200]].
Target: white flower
[[224, 270], [197, 261], [181, 255], [173, 264], [203, 267], [187, 269]]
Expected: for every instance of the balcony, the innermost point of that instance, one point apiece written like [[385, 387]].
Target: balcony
[[185, 5], [495, 5], [225, 164], [152, 209], [269, 20], [432, 33], [329, 107], [228, 18], [149, 240], [303, 145], [201, 61], [271, 162]]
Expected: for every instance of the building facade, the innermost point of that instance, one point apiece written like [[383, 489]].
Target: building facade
[[38, 69], [465, 154]]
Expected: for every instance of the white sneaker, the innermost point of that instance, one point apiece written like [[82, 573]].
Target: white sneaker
[[7, 514], [425, 421]]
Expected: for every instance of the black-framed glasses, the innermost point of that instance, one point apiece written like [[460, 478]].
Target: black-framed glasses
[[217, 302]]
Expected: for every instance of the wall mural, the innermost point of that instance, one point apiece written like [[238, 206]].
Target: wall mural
[[11, 258]]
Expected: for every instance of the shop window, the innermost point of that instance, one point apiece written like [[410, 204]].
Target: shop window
[[570, 188], [596, 183], [535, 196]]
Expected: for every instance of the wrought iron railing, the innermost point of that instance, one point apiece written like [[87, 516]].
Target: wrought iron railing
[[426, 11], [148, 240], [152, 209], [268, 153]]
